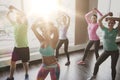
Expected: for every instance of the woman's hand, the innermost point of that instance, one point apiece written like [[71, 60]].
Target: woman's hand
[[110, 14]]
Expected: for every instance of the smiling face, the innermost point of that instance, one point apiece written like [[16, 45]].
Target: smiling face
[[94, 18], [111, 23]]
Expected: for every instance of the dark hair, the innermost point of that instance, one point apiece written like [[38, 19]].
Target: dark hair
[[94, 15]]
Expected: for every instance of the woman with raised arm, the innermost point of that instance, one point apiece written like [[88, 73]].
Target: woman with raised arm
[[109, 45], [47, 34], [63, 25], [21, 49], [93, 37]]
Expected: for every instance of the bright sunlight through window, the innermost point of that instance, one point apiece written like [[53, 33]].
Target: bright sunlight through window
[[43, 7]]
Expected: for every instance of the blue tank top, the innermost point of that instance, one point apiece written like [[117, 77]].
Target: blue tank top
[[48, 51]]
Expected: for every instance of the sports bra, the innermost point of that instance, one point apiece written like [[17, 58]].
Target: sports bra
[[48, 51]]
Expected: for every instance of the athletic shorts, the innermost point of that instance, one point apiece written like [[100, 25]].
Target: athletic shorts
[[21, 54]]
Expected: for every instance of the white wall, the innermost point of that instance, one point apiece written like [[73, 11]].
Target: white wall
[[104, 5], [112, 5], [16, 3], [93, 4], [115, 7]]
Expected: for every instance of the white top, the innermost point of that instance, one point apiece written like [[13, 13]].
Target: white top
[[63, 32]]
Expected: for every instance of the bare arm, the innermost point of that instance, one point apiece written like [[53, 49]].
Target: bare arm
[[11, 7], [116, 19], [9, 18], [87, 16], [67, 22], [37, 34], [55, 37], [101, 19], [98, 11]]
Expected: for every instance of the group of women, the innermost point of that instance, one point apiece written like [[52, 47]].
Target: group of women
[[109, 37], [51, 39]]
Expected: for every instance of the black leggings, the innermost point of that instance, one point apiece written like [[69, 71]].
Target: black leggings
[[114, 58], [89, 45], [60, 42]]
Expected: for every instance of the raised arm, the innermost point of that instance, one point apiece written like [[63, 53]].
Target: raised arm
[[9, 18], [11, 7], [98, 11], [8, 14], [37, 34], [53, 30], [55, 37], [115, 19], [68, 21], [101, 19], [18, 12], [87, 16]]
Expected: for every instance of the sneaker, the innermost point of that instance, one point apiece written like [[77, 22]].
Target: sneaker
[[10, 78], [67, 63], [81, 62], [26, 76], [92, 78]]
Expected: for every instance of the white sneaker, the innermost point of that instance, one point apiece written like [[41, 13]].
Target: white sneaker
[[81, 63]]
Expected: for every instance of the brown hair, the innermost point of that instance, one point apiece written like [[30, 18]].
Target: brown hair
[[94, 15]]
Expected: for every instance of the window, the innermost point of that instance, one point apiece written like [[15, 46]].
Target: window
[[6, 30]]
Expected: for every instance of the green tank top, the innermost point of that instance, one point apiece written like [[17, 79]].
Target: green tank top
[[48, 51]]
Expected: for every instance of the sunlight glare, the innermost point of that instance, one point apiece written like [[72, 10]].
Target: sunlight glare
[[43, 7]]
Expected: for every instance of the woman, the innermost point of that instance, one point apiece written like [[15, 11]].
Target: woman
[[21, 49], [48, 37], [63, 25], [93, 37], [109, 45]]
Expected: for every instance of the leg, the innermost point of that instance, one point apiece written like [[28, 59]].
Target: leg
[[114, 59], [97, 44], [43, 72], [66, 42], [13, 64], [26, 67], [55, 73], [25, 56], [100, 60], [89, 45], [12, 69], [58, 47]]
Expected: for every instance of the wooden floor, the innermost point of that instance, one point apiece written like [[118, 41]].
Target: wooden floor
[[72, 72]]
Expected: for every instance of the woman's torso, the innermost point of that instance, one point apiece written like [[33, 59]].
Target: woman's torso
[[47, 52], [92, 29], [109, 38], [62, 32]]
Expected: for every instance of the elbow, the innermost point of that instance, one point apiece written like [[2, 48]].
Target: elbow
[[32, 28], [100, 20], [85, 16]]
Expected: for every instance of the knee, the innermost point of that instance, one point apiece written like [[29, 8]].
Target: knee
[[113, 68], [57, 48], [66, 50], [97, 64]]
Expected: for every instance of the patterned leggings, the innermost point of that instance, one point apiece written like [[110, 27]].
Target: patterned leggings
[[44, 70]]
